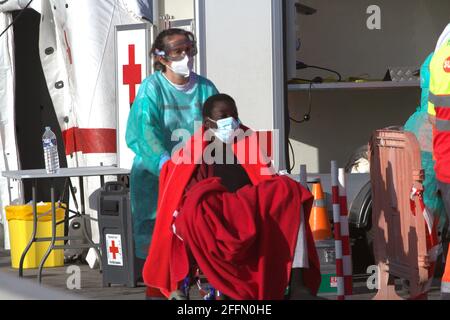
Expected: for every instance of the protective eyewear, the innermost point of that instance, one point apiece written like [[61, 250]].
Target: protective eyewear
[[179, 50]]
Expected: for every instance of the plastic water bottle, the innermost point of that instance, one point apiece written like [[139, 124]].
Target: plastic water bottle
[[50, 151]]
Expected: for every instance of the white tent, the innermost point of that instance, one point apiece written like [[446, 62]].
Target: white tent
[[76, 47]]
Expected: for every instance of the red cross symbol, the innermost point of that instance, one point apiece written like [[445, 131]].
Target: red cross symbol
[[447, 65], [132, 73], [113, 249]]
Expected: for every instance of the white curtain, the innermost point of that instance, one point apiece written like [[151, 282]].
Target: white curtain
[[9, 190], [140, 8], [77, 41], [11, 5], [77, 54]]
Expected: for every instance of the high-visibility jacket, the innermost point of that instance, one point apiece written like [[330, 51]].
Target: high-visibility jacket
[[443, 39], [439, 99]]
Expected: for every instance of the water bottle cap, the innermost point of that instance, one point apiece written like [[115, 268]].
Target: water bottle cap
[[47, 128]]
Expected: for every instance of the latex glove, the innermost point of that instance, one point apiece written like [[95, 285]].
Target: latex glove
[[164, 158]]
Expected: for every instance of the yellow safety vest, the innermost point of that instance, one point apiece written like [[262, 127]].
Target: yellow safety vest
[[440, 85]]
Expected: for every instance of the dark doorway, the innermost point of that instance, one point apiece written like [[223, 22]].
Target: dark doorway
[[33, 106]]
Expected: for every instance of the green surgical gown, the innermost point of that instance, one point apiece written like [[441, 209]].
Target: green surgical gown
[[158, 110]]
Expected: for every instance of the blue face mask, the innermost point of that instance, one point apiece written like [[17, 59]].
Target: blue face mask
[[225, 129]]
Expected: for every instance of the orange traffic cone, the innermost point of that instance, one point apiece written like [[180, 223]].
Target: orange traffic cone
[[318, 220]]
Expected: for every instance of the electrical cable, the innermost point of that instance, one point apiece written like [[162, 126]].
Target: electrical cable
[[293, 156], [16, 18], [329, 70], [301, 79], [307, 116], [301, 65]]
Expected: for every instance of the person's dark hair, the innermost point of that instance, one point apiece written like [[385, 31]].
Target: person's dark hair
[[161, 41], [209, 104]]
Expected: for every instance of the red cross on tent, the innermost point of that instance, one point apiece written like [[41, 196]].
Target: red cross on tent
[[113, 249], [68, 50], [132, 73]]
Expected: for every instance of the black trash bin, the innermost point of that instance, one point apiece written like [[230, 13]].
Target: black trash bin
[[116, 234]]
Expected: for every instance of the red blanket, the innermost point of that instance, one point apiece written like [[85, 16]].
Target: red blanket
[[161, 269], [244, 242]]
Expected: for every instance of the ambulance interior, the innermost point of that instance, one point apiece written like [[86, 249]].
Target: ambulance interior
[[341, 37]]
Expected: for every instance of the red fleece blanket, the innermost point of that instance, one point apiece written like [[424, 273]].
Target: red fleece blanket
[[163, 269], [244, 242]]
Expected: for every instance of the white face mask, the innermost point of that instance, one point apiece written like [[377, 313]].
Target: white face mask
[[225, 129], [183, 67]]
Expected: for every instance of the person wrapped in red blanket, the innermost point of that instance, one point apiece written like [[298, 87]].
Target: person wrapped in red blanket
[[221, 203]]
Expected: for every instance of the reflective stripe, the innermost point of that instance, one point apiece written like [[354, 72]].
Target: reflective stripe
[[440, 101], [336, 213], [320, 203], [341, 286], [442, 125], [445, 287], [345, 232], [338, 249], [348, 268]]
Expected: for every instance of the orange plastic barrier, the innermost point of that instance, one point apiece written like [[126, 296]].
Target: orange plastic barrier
[[400, 229]]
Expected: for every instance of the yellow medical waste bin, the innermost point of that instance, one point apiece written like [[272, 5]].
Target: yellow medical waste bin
[[20, 221]]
